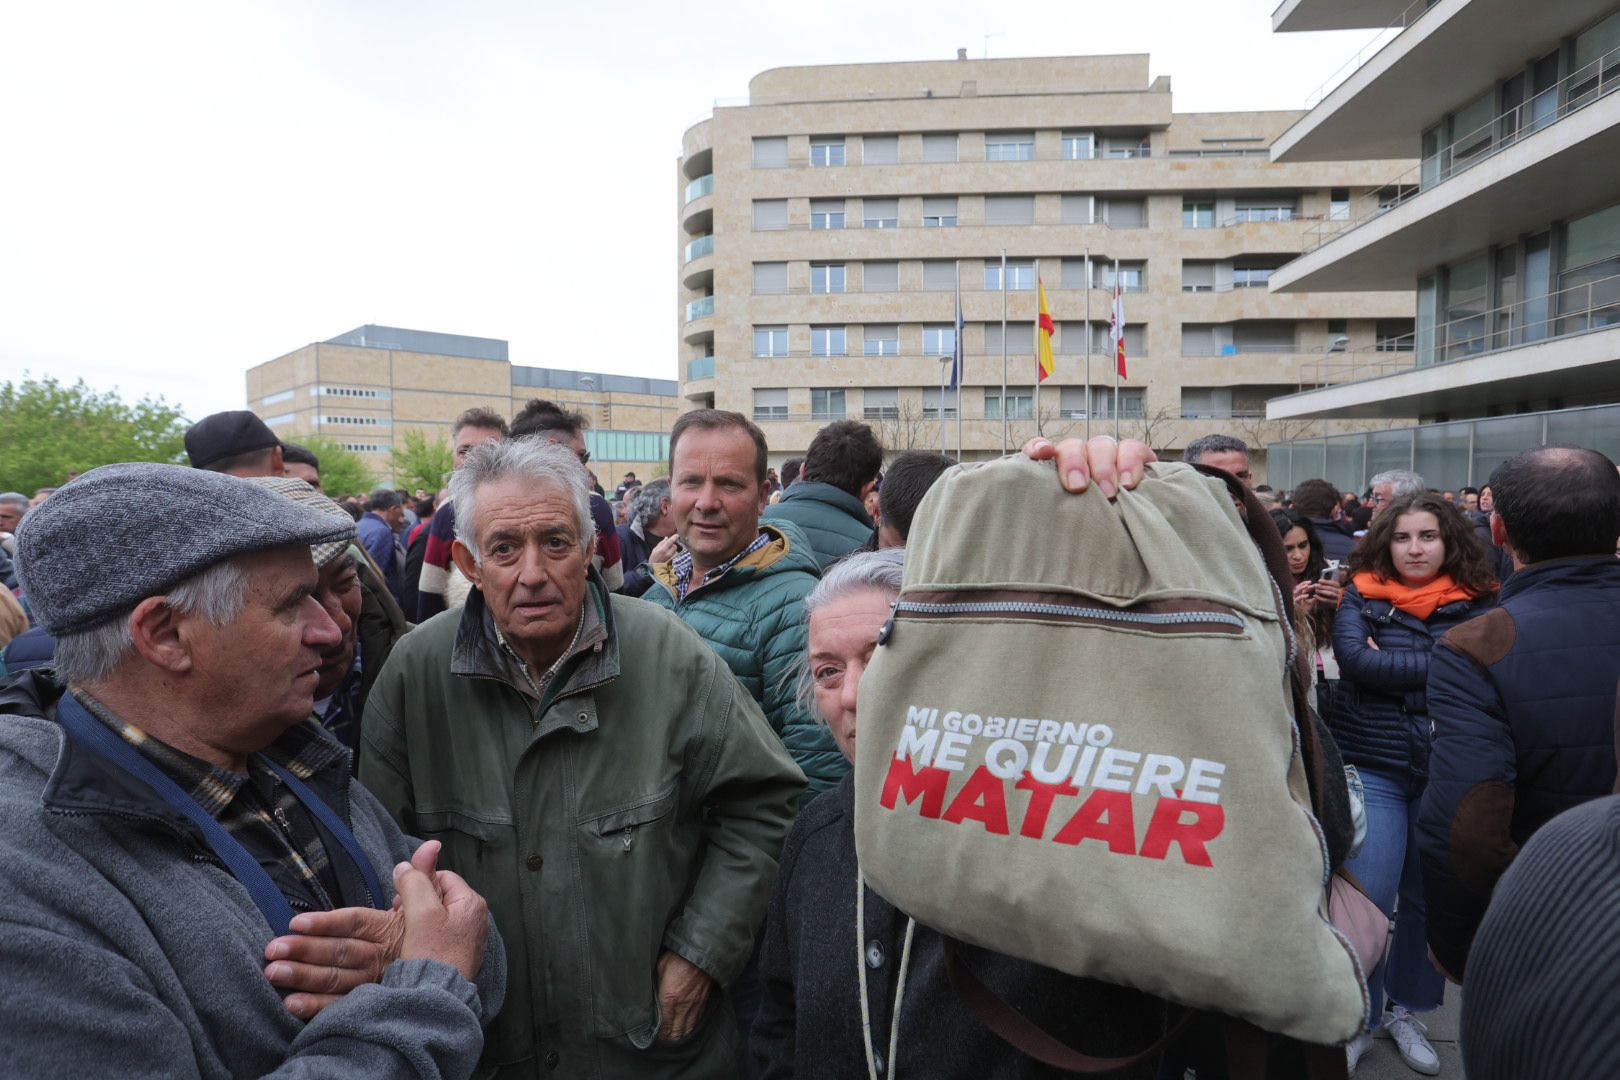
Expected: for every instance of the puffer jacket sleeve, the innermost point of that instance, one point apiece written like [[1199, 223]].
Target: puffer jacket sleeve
[[1385, 669], [1467, 810], [783, 640]]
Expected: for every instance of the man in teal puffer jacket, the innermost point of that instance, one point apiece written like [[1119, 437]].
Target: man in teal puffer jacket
[[740, 583]]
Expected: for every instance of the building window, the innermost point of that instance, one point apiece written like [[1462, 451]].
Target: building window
[[826, 404], [1197, 276], [826, 277], [939, 212], [1020, 276], [880, 277], [1339, 204], [1132, 402], [1197, 215], [881, 403], [1122, 213], [283, 418], [1132, 275], [1020, 338], [770, 404], [1010, 147], [367, 392], [939, 275], [1125, 146], [931, 404], [826, 152], [1079, 209], [939, 148], [770, 341], [939, 340], [1078, 145], [1252, 210], [1252, 277], [880, 213], [1009, 209], [636, 446], [770, 214], [880, 150], [827, 341], [770, 278], [277, 399], [364, 447], [826, 213], [354, 421], [1020, 403], [882, 340], [771, 153]]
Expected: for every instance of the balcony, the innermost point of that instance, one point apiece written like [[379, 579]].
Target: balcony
[[1557, 168], [703, 185], [697, 249], [1563, 345], [700, 367], [700, 308], [1429, 63]]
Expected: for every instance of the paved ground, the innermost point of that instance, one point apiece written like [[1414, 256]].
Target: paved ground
[[1383, 1062]]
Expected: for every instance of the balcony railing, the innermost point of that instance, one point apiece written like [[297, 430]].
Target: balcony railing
[[700, 308], [1118, 226], [700, 367], [1579, 309], [1574, 92], [697, 249], [1401, 23], [703, 185]]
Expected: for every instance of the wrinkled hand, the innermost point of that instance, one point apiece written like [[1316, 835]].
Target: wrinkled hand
[[1101, 461], [683, 987], [445, 919], [332, 952], [665, 550]]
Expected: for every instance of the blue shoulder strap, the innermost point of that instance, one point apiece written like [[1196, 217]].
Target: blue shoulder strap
[[97, 738], [334, 825]]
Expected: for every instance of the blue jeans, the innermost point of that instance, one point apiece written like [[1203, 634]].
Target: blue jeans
[[1389, 869]]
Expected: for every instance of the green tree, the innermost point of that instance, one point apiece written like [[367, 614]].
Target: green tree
[[422, 462], [343, 472], [48, 430]]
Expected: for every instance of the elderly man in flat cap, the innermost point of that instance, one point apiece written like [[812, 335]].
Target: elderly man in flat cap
[[595, 770], [194, 886]]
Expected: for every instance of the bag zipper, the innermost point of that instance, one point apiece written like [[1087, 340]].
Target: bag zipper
[[1157, 616]]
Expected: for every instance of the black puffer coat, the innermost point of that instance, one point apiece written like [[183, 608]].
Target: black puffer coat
[[1381, 716]]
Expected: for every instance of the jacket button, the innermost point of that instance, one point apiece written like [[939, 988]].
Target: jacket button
[[552, 1059], [584, 717], [535, 862], [874, 954]]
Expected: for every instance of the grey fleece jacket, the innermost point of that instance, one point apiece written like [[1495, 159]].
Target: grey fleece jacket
[[128, 951]]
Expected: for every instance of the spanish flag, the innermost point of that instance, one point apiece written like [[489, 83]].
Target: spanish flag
[[1043, 337]]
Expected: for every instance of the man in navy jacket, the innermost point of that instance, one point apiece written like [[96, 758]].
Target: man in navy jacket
[[1522, 698]]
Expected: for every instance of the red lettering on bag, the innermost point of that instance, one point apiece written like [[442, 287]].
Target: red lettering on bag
[[910, 784], [982, 798], [1040, 803], [1088, 823], [1166, 828]]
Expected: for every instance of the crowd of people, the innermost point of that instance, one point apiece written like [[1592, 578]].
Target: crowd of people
[[520, 778]]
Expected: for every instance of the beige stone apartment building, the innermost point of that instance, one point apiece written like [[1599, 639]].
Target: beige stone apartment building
[[824, 224], [367, 387]]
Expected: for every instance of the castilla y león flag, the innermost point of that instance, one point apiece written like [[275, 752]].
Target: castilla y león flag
[[1043, 337], [1116, 329]]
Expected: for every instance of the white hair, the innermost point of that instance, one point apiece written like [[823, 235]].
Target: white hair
[[218, 594], [1402, 482], [537, 460], [866, 571]]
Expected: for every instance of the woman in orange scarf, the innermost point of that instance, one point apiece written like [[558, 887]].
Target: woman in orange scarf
[[1419, 571]]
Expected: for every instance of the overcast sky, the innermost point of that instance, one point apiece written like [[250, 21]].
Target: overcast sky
[[190, 189]]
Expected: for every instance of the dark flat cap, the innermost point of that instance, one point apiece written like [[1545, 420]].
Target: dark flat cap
[[89, 552], [225, 435]]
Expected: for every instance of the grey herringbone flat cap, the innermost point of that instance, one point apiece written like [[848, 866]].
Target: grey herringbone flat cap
[[300, 492], [122, 533]]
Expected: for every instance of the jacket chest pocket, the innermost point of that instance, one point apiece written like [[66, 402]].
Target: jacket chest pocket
[[471, 844], [634, 864]]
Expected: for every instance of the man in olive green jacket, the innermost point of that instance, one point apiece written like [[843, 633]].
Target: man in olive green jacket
[[596, 772]]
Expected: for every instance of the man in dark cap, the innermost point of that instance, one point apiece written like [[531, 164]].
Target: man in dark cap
[[174, 821], [237, 443]]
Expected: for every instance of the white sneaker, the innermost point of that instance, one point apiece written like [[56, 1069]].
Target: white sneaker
[[1358, 1046], [1408, 1032]]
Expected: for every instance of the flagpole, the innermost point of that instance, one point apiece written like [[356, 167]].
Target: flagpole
[[1088, 343], [960, 360], [1035, 344], [1004, 352], [942, 401], [1119, 343]]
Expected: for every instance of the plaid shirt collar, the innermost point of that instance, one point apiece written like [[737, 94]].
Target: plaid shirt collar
[[682, 565]]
